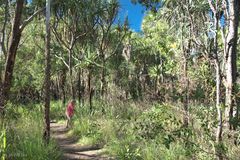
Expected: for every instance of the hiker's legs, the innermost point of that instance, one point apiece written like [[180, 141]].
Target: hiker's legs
[[68, 120]]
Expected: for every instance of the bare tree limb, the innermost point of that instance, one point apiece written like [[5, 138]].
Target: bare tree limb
[[27, 21], [61, 58]]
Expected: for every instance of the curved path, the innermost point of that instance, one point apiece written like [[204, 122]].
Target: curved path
[[73, 151]]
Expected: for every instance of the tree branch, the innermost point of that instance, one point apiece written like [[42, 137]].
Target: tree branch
[[60, 40], [64, 62], [212, 7], [27, 21]]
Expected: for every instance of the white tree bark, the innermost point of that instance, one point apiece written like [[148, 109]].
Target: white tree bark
[[231, 56], [46, 134]]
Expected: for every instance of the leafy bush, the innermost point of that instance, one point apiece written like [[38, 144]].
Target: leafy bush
[[125, 148], [158, 122], [57, 110]]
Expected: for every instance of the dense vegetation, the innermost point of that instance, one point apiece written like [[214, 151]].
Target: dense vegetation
[[170, 91]]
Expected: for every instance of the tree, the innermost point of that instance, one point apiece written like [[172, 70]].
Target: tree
[[230, 47], [11, 54], [3, 29], [16, 32], [105, 31], [73, 22], [185, 16], [218, 75], [46, 134]]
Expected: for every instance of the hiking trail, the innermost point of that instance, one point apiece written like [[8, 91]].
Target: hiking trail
[[71, 149]]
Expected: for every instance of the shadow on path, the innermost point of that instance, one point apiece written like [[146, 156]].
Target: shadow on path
[[73, 151]]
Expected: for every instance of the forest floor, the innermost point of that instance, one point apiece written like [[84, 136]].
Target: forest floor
[[71, 149]]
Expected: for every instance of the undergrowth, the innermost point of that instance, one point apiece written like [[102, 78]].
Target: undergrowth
[[126, 130], [24, 134], [131, 130]]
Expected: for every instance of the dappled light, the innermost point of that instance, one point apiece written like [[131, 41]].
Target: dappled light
[[119, 79]]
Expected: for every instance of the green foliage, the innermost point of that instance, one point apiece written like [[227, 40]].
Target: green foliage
[[3, 141], [57, 110], [24, 136], [157, 121], [126, 148], [124, 120], [127, 132]]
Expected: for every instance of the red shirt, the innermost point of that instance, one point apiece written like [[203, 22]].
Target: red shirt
[[70, 109]]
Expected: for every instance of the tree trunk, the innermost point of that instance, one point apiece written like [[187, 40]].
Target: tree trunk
[[71, 73], [231, 63], [2, 42], [218, 87], [83, 88], [218, 106], [218, 83], [186, 86], [90, 90], [11, 55], [79, 87], [103, 79], [62, 85], [46, 134], [58, 90]]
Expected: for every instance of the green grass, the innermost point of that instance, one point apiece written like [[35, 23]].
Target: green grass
[[148, 131], [131, 130], [24, 135]]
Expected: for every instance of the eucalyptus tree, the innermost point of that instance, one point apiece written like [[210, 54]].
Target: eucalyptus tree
[[162, 47], [46, 134], [104, 50], [179, 17], [232, 12], [5, 84], [110, 36], [216, 17], [73, 22], [4, 18], [4, 21], [226, 19], [16, 33]]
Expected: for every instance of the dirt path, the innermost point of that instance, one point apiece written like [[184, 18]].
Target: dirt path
[[73, 151]]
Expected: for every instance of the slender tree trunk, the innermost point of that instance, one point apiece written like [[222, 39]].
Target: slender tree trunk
[[62, 85], [103, 83], [156, 85], [57, 88], [83, 88], [218, 81], [139, 87], [79, 87], [231, 63], [186, 88], [218, 106], [46, 134], [71, 73], [185, 51], [90, 90], [11, 55], [144, 75], [103, 78], [2, 42]]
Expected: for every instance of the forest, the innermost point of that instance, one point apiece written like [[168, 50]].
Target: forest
[[77, 82]]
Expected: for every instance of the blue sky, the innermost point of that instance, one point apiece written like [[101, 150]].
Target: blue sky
[[134, 12]]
